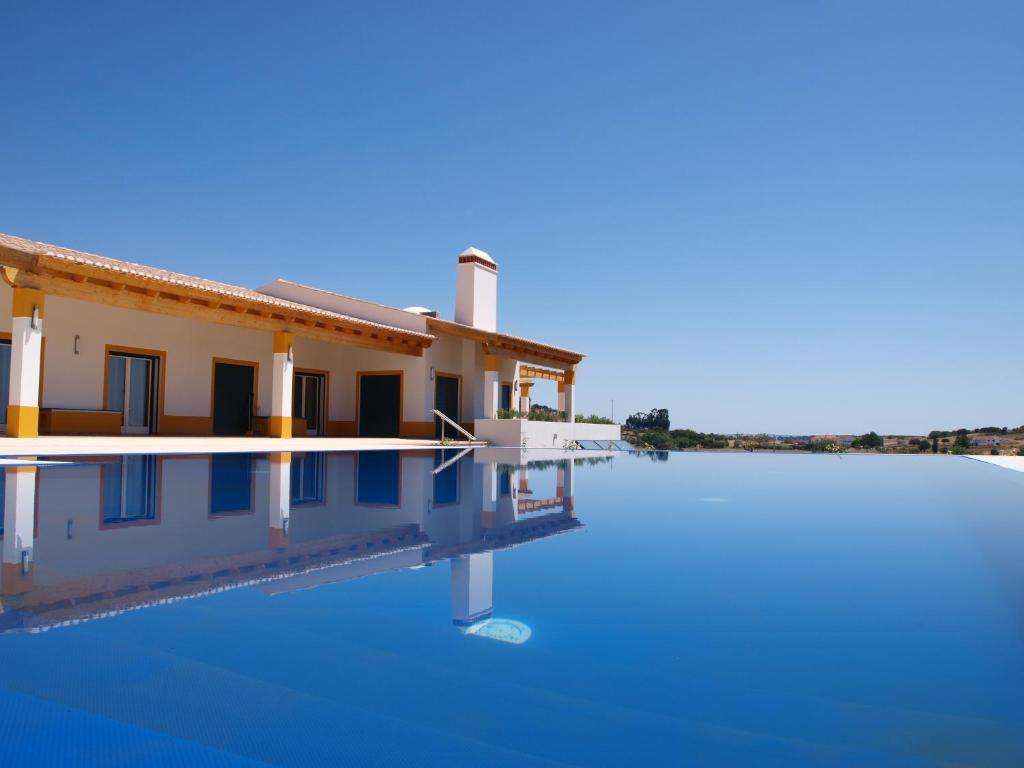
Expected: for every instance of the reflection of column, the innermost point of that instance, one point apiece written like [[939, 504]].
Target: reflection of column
[[566, 477], [570, 396], [280, 422], [26, 361], [490, 386], [489, 495], [472, 588], [279, 497], [19, 529]]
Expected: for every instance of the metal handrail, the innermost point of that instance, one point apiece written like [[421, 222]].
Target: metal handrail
[[455, 425], [438, 470]]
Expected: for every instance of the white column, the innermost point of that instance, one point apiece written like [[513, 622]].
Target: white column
[[490, 386], [566, 482], [472, 588], [26, 361], [524, 395], [489, 495], [280, 422], [280, 498], [19, 529], [570, 396]]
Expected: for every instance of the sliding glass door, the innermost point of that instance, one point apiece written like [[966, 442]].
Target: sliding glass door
[[131, 389]]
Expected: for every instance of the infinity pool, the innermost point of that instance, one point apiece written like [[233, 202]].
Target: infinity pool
[[433, 608]]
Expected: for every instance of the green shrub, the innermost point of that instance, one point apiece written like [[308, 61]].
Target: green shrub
[[592, 419]]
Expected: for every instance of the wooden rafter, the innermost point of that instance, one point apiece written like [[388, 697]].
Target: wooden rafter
[[139, 293]]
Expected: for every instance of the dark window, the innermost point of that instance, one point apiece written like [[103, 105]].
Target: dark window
[[446, 482], [506, 397], [232, 399], [308, 479], [378, 479], [230, 483], [380, 405], [129, 489]]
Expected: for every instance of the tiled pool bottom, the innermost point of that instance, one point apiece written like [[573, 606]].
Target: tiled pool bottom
[[337, 609]]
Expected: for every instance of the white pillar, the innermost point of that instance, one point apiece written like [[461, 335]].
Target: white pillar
[[26, 361], [19, 529], [489, 495], [570, 396], [280, 498], [490, 386], [280, 422], [472, 588], [566, 482], [524, 395]]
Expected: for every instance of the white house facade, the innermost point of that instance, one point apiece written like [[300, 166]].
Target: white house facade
[[95, 345]]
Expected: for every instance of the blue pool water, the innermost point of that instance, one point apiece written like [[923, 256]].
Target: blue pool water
[[385, 609]]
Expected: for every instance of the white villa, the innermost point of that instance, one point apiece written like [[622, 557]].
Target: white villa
[[100, 346]]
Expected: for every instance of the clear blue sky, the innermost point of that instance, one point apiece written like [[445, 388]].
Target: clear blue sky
[[764, 216]]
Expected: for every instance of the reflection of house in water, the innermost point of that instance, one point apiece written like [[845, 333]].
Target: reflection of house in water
[[83, 540]]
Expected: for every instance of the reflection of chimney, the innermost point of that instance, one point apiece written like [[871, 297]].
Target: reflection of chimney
[[476, 290], [472, 588]]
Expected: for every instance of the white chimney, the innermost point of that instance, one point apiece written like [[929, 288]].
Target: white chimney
[[476, 290]]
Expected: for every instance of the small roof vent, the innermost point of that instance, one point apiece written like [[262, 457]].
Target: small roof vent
[[422, 311]]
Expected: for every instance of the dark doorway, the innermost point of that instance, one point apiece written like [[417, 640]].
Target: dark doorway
[[233, 396], [506, 397], [446, 400], [380, 404]]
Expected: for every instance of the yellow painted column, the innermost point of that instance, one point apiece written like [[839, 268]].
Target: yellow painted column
[[26, 362], [570, 396], [280, 422], [561, 397], [19, 529], [524, 395], [490, 386]]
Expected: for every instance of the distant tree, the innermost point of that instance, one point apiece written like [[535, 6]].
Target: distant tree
[[656, 418], [870, 440], [935, 445], [962, 441]]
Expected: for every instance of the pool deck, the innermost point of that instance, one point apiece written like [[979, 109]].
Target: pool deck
[[94, 445], [1016, 463]]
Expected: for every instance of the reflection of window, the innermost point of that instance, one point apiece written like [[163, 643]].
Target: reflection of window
[[129, 489], [505, 483], [378, 478], [308, 479], [3, 497], [446, 482], [230, 483]]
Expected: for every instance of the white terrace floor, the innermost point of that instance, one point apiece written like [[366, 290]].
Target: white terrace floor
[[1015, 463], [87, 445]]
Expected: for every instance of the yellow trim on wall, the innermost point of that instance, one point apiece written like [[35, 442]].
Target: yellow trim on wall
[[25, 300], [279, 426], [22, 421], [490, 362], [282, 341]]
